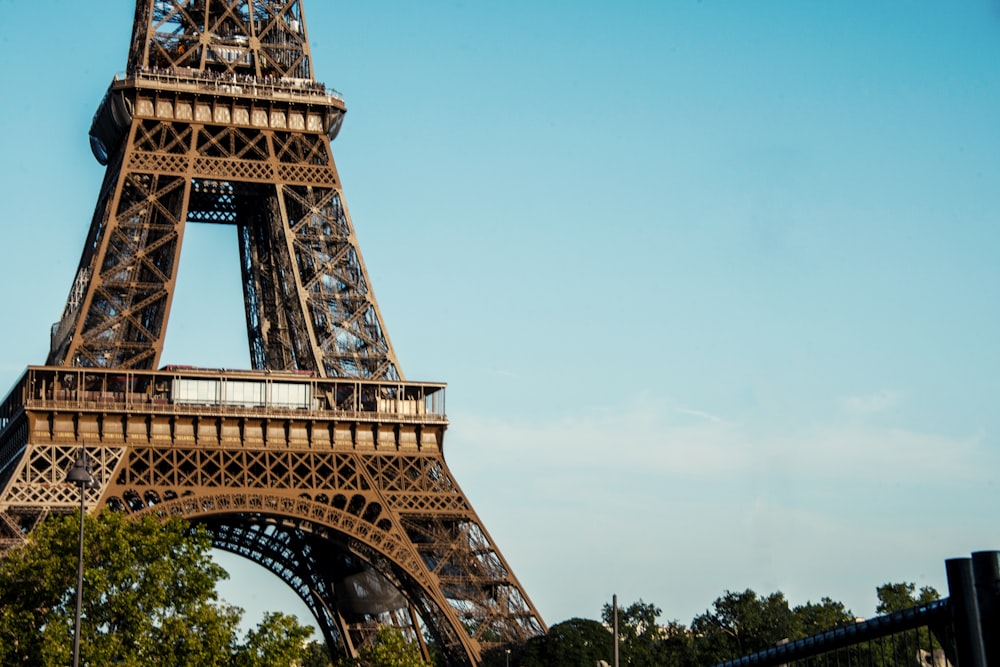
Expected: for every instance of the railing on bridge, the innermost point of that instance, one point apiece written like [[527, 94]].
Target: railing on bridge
[[962, 630]]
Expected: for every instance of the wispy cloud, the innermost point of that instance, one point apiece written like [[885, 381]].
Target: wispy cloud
[[654, 436], [878, 454], [699, 413], [873, 403], [659, 437]]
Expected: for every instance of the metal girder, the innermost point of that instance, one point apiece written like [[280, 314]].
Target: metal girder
[[263, 38]]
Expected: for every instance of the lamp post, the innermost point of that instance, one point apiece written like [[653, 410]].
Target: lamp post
[[508, 657], [614, 605], [80, 475]]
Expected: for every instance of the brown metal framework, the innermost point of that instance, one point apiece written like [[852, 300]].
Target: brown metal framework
[[219, 120], [322, 465]]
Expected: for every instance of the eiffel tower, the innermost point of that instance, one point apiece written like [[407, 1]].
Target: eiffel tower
[[322, 464]]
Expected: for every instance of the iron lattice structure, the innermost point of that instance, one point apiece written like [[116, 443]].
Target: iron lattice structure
[[321, 464], [218, 119]]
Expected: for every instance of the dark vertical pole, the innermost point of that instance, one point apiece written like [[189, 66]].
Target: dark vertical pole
[[986, 571], [614, 604], [965, 613], [80, 475], [79, 583]]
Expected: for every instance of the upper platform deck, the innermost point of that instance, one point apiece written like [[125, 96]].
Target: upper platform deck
[[188, 390], [231, 84]]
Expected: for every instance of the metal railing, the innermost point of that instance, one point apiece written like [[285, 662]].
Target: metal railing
[[190, 389], [224, 82], [962, 630]]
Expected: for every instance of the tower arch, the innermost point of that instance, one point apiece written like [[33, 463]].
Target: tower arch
[[353, 575]]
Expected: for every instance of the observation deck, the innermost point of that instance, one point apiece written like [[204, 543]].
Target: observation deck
[[200, 81], [188, 95], [216, 408]]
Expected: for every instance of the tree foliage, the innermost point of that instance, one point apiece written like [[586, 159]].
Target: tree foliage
[[278, 640], [390, 649], [149, 599], [897, 597], [813, 618], [316, 655], [741, 623], [642, 641], [577, 641]]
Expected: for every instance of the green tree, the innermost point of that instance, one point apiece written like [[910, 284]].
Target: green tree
[[643, 642], [676, 649], [277, 640], [316, 655], [577, 641], [390, 649], [897, 597], [532, 653], [814, 618], [898, 648], [739, 624], [637, 632], [149, 597]]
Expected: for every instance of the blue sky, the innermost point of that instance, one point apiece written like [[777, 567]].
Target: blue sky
[[714, 284]]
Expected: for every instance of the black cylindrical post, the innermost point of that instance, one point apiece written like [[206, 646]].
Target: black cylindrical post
[[965, 613], [80, 475], [986, 572], [79, 583], [614, 631]]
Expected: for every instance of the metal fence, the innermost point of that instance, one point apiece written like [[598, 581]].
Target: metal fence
[[962, 630]]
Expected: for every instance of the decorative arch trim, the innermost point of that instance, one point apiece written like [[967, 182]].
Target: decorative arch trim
[[308, 514]]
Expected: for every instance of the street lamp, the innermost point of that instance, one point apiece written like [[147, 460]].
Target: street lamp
[[508, 657], [80, 475]]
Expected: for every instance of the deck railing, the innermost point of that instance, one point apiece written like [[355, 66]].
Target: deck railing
[[178, 388]]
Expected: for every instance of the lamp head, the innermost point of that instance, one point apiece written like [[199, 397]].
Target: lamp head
[[80, 474]]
